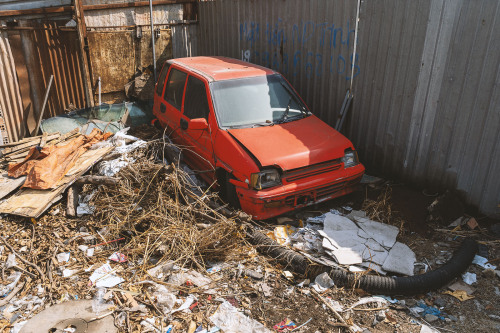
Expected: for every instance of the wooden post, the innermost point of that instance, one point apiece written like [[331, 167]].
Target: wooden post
[[81, 29], [72, 200]]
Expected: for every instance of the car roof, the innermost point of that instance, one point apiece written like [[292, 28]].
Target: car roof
[[221, 68]]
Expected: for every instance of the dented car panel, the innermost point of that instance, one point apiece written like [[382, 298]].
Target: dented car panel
[[276, 154], [295, 144]]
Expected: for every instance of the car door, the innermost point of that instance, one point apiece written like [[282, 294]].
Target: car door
[[196, 106], [172, 102], [159, 106]]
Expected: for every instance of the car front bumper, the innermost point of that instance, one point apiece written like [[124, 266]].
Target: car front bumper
[[275, 201]]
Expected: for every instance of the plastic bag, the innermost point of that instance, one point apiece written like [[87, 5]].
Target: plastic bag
[[98, 303], [229, 319]]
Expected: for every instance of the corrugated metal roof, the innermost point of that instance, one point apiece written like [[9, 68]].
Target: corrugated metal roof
[[31, 4], [426, 86]]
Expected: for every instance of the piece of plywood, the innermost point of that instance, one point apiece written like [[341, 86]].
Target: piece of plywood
[[32, 203], [9, 184]]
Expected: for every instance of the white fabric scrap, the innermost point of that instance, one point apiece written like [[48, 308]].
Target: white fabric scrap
[[110, 168], [229, 319]]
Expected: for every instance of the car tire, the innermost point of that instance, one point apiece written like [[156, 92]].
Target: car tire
[[229, 192]]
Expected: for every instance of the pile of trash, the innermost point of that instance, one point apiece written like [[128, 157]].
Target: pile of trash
[[352, 240], [151, 249]]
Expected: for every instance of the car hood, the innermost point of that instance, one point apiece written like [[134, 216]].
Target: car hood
[[294, 144]]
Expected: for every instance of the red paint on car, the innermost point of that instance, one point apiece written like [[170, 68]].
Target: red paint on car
[[247, 126]]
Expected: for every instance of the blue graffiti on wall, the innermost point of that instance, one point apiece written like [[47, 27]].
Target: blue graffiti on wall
[[302, 39]]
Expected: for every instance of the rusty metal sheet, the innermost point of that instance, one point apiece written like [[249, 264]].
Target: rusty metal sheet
[[11, 107], [163, 48], [55, 52], [115, 55], [112, 58]]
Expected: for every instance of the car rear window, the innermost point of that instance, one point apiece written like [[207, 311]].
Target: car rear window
[[195, 102], [175, 88], [161, 79]]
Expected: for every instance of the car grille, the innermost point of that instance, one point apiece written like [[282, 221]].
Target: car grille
[[312, 170], [319, 193]]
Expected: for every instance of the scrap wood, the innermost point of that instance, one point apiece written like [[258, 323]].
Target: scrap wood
[[11, 248], [32, 202], [34, 142], [97, 180], [72, 200], [13, 293], [9, 185]]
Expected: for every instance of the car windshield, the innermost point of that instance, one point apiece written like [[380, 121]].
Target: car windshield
[[256, 101]]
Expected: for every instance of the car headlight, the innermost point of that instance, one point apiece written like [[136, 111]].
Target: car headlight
[[350, 158], [265, 179]]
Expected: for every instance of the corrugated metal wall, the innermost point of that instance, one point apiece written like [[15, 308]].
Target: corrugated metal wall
[[310, 42], [11, 107], [426, 79]]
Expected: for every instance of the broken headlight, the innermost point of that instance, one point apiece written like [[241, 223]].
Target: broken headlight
[[265, 179], [350, 158]]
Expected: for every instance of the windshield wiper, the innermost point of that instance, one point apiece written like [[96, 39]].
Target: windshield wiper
[[294, 96], [284, 116]]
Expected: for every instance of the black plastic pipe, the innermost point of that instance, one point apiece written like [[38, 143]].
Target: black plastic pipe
[[387, 285]]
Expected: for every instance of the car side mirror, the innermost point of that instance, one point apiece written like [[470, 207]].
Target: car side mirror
[[198, 124]]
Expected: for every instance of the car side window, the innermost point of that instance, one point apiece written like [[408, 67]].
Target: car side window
[[161, 79], [196, 102], [175, 88]]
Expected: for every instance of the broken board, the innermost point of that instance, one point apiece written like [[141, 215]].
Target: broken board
[[9, 184], [32, 203]]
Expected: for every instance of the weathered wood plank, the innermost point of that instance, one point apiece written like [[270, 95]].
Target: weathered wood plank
[[32, 203]]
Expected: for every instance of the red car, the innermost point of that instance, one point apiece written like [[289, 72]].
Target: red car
[[248, 129]]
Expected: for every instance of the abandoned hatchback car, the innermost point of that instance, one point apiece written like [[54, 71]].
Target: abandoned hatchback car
[[246, 127]]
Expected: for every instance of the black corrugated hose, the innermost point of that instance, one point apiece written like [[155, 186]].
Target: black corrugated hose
[[371, 283]]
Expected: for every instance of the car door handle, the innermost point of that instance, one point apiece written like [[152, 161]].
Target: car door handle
[[163, 108], [184, 124]]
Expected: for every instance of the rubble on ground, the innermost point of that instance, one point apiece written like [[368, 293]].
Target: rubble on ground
[[151, 255]]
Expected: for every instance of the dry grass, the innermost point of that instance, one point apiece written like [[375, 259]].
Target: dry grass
[[155, 209], [381, 210]]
